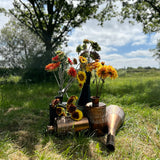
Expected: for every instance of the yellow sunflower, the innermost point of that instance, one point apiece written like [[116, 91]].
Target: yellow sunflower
[[72, 100], [96, 65], [82, 59], [81, 76], [80, 85], [107, 71], [102, 72], [112, 73], [77, 115], [60, 111], [89, 67]]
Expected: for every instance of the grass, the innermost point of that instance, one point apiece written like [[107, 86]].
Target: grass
[[24, 115]]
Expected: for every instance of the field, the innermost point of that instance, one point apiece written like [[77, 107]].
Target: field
[[24, 115]]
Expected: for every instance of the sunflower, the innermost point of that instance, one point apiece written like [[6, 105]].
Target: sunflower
[[89, 67], [81, 76], [80, 85], [102, 72], [71, 108], [60, 111], [72, 72], [82, 59], [72, 100], [96, 65], [112, 73], [77, 115]]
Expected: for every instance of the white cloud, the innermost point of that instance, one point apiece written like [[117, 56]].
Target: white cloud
[[140, 53]]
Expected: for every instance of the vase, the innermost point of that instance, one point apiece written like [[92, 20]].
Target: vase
[[84, 97], [95, 101], [97, 118]]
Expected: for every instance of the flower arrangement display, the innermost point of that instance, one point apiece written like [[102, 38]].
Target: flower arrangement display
[[90, 62], [59, 64], [70, 109]]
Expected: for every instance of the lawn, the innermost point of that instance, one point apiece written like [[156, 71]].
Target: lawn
[[24, 115]]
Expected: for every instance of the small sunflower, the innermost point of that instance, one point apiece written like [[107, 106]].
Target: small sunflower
[[80, 85], [77, 115], [82, 59], [71, 108], [81, 76], [72, 100], [60, 111]]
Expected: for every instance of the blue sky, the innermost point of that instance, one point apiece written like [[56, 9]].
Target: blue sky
[[123, 45]]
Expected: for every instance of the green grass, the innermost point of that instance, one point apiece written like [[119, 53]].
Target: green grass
[[24, 115]]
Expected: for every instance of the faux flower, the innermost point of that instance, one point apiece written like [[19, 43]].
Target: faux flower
[[52, 66], [72, 100], [75, 61], [102, 72], [55, 102], [56, 58], [112, 73], [70, 61], [77, 115], [60, 111], [96, 65], [80, 85], [81, 76], [72, 72], [82, 59], [71, 108]]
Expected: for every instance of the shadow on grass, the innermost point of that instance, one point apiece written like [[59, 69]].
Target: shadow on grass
[[24, 116]]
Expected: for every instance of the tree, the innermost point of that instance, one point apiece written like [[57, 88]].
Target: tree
[[18, 45], [52, 20], [146, 12]]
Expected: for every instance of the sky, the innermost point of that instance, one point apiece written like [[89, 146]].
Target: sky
[[122, 44]]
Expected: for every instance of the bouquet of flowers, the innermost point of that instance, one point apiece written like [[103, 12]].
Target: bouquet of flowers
[[64, 79], [90, 62]]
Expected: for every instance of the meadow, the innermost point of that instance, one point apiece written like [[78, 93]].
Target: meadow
[[24, 115]]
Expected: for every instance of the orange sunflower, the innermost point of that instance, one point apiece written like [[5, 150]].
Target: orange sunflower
[[102, 72], [112, 73]]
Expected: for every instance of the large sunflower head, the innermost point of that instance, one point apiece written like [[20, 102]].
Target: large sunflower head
[[77, 115], [112, 73], [102, 72], [81, 76]]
